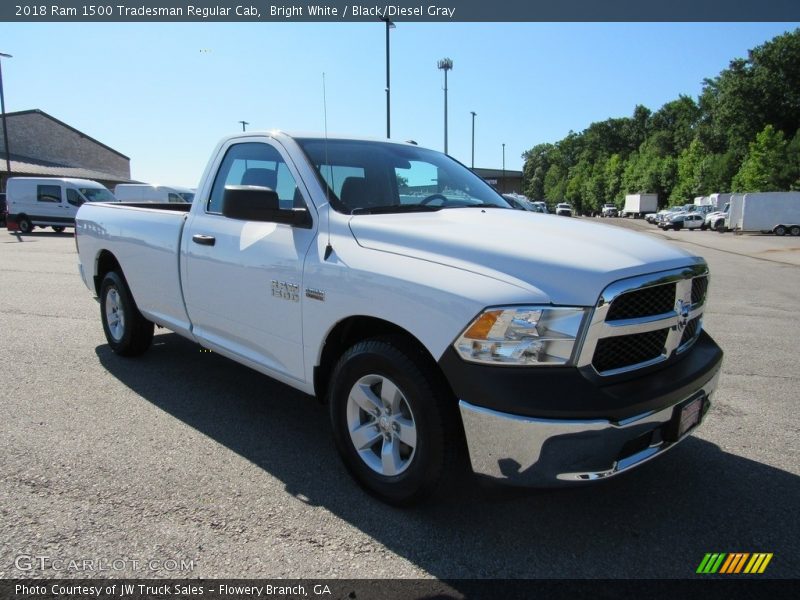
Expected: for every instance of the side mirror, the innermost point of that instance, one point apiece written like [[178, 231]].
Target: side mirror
[[256, 203]]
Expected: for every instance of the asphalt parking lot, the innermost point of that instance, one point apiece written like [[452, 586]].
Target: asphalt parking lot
[[182, 463]]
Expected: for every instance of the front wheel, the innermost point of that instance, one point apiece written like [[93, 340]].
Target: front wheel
[[127, 331], [394, 421], [780, 230], [794, 230]]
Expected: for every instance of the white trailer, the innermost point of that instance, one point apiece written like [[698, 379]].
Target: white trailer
[[639, 205], [775, 212]]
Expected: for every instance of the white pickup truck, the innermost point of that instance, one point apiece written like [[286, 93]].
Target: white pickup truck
[[394, 284]]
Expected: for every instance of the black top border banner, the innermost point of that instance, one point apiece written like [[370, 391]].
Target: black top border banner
[[399, 10]]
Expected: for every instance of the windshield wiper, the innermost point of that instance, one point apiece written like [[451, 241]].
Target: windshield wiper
[[483, 205], [394, 208]]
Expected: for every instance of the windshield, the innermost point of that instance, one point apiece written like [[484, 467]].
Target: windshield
[[374, 177], [97, 194]]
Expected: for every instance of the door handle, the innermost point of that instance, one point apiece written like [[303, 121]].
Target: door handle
[[204, 240]]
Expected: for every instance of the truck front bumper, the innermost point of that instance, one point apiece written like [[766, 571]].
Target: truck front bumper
[[558, 449]]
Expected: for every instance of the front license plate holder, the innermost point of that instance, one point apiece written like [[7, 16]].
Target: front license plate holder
[[686, 417]]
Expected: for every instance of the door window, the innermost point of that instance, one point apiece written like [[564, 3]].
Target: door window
[[48, 193], [259, 164], [74, 198]]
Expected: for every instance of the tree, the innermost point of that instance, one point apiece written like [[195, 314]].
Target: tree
[[764, 169]]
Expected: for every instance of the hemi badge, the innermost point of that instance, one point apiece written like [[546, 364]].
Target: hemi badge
[[315, 294]]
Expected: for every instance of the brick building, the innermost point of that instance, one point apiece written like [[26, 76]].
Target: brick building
[[43, 146], [505, 182]]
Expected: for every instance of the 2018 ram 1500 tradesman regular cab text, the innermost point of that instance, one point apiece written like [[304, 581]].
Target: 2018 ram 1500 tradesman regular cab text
[[393, 283]]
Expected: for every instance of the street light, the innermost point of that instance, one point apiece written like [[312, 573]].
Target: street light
[[445, 65], [3, 111], [244, 125], [504, 167], [473, 113], [389, 25]]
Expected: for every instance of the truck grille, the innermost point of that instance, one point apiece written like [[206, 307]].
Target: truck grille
[[642, 321], [655, 300], [625, 350]]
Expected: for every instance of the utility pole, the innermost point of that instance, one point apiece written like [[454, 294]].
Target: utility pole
[[504, 167], [445, 65], [5, 124], [244, 125], [473, 113]]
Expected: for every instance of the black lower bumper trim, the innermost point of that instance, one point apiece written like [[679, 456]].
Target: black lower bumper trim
[[565, 393]]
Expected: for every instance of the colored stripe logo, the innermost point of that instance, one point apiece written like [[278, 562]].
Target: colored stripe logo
[[734, 563]]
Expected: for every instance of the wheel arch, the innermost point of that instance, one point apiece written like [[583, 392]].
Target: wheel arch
[[104, 263], [350, 331]]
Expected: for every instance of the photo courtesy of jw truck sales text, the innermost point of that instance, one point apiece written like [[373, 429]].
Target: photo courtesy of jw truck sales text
[[424, 335]]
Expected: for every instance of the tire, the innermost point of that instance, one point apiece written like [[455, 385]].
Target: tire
[[25, 225], [703, 227], [780, 230], [720, 226], [395, 422], [58, 228], [127, 331], [794, 230]]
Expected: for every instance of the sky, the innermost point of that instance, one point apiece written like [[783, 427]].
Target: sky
[[165, 94]]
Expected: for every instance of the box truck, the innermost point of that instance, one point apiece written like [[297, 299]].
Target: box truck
[[639, 205]]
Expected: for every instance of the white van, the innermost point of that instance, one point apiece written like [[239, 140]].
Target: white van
[[50, 201], [145, 192]]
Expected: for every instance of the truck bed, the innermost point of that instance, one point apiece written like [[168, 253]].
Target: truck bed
[[145, 239]]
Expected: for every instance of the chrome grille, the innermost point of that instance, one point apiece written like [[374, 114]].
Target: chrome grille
[[645, 320]]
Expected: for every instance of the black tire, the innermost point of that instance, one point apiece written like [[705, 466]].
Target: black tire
[[131, 334], [25, 225], [720, 226], [780, 230], [794, 230], [703, 227], [58, 228], [431, 409]]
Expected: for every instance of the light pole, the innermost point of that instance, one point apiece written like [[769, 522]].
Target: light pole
[[244, 125], [5, 125], [473, 113], [504, 167], [445, 65], [389, 25]]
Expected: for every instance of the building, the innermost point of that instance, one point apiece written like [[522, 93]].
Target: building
[[504, 181], [43, 146]]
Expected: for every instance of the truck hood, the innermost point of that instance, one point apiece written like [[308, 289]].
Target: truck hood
[[558, 259]]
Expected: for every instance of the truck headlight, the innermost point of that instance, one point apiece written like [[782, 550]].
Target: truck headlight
[[525, 335]]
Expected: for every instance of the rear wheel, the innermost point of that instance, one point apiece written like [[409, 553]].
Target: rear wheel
[[794, 230], [25, 225], [127, 331], [395, 423], [780, 230]]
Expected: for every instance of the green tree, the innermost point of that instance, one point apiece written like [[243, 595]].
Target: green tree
[[764, 169]]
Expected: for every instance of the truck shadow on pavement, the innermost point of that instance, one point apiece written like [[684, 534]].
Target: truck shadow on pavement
[[658, 521]]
